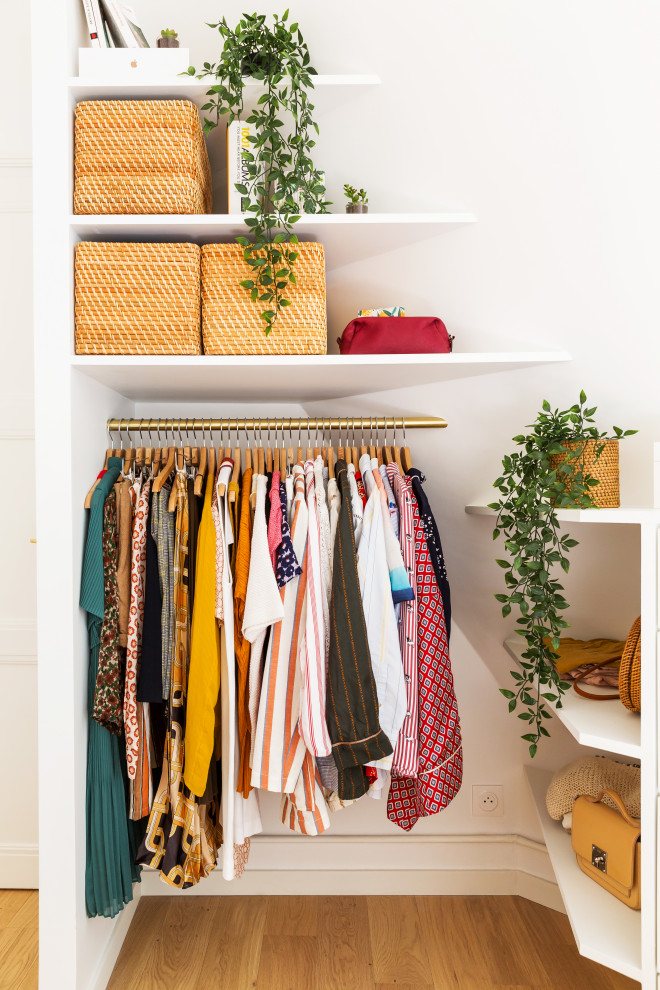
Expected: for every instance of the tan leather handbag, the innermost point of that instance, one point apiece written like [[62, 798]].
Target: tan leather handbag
[[607, 846], [630, 673]]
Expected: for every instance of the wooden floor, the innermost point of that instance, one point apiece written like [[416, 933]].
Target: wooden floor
[[19, 939], [353, 943]]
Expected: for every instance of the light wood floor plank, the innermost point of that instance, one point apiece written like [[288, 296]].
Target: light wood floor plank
[[509, 946], [397, 945], [234, 949], [343, 945], [11, 902], [288, 962], [19, 950], [455, 955], [291, 915], [138, 944]]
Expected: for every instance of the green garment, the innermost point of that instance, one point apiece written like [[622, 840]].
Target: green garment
[[110, 868]]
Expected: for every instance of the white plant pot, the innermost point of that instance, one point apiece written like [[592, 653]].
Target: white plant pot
[[132, 63]]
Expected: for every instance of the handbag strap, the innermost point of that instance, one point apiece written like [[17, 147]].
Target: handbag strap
[[618, 802], [588, 694]]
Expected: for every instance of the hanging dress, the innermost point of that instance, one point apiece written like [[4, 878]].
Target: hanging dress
[[110, 870]]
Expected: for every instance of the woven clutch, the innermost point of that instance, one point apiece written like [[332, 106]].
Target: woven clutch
[[137, 298], [231, 322], [140, 156]]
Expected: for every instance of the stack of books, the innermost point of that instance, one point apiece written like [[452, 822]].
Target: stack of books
[[113, 24]]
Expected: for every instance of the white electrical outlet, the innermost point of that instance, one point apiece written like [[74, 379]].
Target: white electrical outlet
[[487, 800]]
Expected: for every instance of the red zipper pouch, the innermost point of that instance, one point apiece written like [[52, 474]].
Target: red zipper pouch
[[395, 335]]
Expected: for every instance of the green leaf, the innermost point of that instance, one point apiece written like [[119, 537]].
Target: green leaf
[[503, 563], [247, 283], [506, 693]]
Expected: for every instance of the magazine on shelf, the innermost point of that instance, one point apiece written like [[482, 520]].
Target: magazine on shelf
[[238, 133], [123, 25], [94, 26]]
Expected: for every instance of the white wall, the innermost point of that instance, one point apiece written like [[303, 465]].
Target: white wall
[[18, 672]]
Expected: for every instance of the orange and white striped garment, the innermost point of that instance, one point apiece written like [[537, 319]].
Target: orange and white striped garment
[[279, 749], [305, 810]]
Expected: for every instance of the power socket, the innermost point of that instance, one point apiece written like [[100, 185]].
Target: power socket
[[487, 800]]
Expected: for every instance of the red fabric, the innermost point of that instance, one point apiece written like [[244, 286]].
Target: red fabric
[[440, 748], [395, 335], [360, 487], [275, 520]]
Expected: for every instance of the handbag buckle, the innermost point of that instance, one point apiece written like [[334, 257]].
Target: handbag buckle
[[599, 858]]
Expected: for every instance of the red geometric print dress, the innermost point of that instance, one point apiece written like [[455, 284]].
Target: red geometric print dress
[[440, 748]]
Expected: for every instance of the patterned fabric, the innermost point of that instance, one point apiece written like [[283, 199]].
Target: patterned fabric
[[108, 696], [275, 521], [182, 837], [136, 714], [406, 751], [305, 809], [440, 749], [279, 749], [433, 542], [219, 552], [313, 726], [162, 531], [401, 588], [357, 502], [359, 483], [391, 500], [241, 856], [124, 530], [287, 562], [378, 608], [352, 710], [241, 645]]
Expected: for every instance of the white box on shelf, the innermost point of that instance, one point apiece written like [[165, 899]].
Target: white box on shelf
[[117, 64]]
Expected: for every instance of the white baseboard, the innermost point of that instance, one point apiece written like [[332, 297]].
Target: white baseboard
[[113, 946], [19, 866], [381, 864]]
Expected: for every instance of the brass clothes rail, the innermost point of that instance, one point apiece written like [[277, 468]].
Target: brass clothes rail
[[365, 424]]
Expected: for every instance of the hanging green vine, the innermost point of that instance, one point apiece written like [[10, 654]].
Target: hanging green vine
[[282, 179], [533, 486]]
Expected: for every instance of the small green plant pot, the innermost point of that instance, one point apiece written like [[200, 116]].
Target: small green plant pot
[[167, 43], [357, 208]]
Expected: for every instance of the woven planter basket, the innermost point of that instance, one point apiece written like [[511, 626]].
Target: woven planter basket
[[630, 669], [605, 469], [140, 156], [231, 323], [137, 298]]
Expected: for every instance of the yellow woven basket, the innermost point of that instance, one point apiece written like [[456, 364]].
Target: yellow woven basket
[[137, 298], [231, 322], [604, 468], [140, 156], [630, 669]]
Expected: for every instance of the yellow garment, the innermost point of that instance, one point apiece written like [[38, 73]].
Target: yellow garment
[[204, 673], [574, 652]]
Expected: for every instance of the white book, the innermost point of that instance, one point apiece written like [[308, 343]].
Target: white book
[[100, 24], [238, 133], [122, 25], [94, 31]]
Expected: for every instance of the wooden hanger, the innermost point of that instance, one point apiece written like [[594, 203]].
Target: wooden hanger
[[260, 461], [397, 458], [406, 459], [235, 473], [201, 470], [331, 463], [164, 474], [248, 459], [180, 460]]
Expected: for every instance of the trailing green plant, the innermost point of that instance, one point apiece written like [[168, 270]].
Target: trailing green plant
[[354, 195], [543, 476], [282, 179], [169, 33]]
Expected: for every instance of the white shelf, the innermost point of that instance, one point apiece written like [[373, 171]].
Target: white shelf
[[603, 725], [346, 237], [627, 514], [330, 91], [605, 929], [294, 378]]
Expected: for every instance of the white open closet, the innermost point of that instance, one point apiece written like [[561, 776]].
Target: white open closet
[[482, 391]]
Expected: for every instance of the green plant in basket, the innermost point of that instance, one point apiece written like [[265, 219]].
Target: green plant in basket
[[282, 178], [550, 471]]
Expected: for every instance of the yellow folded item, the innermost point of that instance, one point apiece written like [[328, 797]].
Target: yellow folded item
[[575, 652]]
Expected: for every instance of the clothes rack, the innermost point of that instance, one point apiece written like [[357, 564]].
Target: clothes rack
[[287, 423]]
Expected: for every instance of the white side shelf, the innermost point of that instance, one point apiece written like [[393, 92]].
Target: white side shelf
[[627, 514], [347, 238], [605, 929], [293, 378], [603, 725]]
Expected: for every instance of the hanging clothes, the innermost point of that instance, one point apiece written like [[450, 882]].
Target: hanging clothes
[[241, 644], [110, 869], [433, 542]]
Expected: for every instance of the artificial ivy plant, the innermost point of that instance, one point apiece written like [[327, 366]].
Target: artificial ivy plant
[[282, 177], [546, 474]]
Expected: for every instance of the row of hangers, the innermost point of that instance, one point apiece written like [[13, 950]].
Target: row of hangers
[[196, 459]]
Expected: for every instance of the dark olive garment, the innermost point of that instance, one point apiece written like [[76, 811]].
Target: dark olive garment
[[195, 503], [432, 535], [352, 702], [150, 679]]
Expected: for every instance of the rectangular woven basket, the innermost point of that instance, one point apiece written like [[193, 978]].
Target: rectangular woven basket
[[604, 468], [231, 322], [137, 298], [140, 156]]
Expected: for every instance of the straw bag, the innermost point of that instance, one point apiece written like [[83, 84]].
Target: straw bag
[[607, 846], [604, 468], [630, 673]]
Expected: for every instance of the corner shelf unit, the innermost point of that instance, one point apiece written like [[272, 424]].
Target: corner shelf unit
[[605, 929]]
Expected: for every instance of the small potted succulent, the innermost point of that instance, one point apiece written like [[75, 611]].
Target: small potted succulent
[[168, 39], [357, 200]]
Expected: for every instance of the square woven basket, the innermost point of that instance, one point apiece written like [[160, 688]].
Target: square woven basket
[[140, 156], [231, 322], [137, 298]]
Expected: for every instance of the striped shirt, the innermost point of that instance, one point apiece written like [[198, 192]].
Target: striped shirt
[[313, 725], [406, 751]]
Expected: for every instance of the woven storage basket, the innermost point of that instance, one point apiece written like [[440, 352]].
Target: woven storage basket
[[137, 298], [231, 322], [605, 469], [630, 669], [140, 156]]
